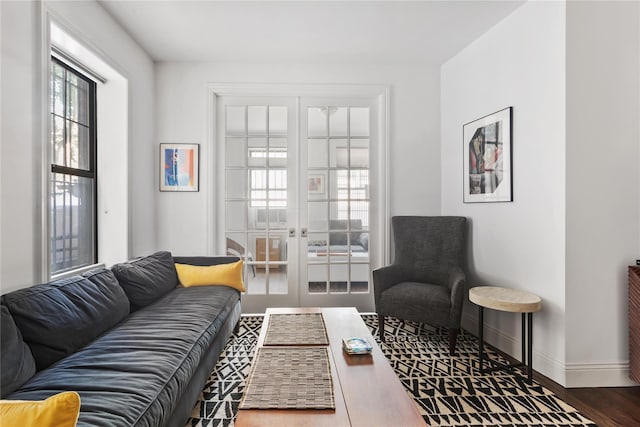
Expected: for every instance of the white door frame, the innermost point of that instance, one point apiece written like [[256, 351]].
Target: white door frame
[[215, 196]]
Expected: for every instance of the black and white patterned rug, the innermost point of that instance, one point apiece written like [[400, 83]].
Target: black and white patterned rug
[[448, 391]]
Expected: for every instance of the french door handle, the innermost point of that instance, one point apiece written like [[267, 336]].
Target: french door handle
[[303, 232], [292, 232]]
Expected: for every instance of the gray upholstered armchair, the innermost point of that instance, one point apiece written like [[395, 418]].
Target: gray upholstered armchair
[[426, 282]]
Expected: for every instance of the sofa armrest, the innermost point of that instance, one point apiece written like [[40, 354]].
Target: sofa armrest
[[457, 285], [386, 277], [204, 261], [364, 240]]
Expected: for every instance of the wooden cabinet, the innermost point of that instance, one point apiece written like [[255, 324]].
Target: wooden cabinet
[[634, 323], [274, 251]]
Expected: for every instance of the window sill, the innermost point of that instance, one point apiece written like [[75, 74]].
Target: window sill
[[76, 271]]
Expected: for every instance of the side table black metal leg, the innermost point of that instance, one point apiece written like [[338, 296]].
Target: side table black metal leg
[[481, 336], [524, 339], [530, 343]]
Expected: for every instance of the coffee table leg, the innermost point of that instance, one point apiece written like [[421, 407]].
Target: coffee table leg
[[481, 336]]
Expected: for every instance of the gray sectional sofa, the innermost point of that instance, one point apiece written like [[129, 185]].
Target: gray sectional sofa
[[137, 347]]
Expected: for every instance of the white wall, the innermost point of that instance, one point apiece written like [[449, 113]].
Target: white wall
[[603, 178], [414, 144], [22, 135], [519, 63], [19, 147], [574, 224]]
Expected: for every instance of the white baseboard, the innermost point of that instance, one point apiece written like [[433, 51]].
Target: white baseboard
[[598, 375], [570, 375]]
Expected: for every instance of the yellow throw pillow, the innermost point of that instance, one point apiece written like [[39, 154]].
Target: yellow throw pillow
[[221, 274], [60, 410]]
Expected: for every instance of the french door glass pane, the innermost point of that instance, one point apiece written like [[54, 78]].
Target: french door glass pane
[[257, 120], [337, 121], [236, 182], [317, 125], [235, 120], [359, 153], [338, 157], [317, 153], [359, 121], [277, 120], [236, 152]]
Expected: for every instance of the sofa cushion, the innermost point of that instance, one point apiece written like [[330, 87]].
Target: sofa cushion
[[147, 279], [135, 373], [15, 356], [410, 300], [60, 410], [60, 317]]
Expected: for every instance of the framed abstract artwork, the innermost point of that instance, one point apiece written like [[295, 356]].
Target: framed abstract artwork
[[487, 144], [179, 167]]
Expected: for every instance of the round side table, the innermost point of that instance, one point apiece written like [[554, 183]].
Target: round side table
[[513, 301]]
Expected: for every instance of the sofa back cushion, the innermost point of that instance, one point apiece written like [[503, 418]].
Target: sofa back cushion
[[340, 238], [16, 360], [60, 317], [147, 279]]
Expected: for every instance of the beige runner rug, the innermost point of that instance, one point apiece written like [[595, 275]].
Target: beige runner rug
[[290, 378], [296, 329]]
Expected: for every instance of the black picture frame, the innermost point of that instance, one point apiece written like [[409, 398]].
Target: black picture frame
[[487, 158]]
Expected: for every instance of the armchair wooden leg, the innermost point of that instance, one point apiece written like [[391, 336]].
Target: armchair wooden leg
[[381, 327], [453, 337]]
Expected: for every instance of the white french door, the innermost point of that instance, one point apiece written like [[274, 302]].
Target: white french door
[[260, 195], [335, 206], [297, 196]]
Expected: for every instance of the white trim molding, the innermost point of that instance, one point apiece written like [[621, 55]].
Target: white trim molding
[[293, 89], [598, 375]]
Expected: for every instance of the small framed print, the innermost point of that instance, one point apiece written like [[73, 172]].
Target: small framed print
[[179, 167], [487, 144], [316, 184]]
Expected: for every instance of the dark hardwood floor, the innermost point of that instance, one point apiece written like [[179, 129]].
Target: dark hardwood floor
[[605, 406]]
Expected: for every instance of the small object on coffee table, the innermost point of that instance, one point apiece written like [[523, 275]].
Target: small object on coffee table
[[356, 345]]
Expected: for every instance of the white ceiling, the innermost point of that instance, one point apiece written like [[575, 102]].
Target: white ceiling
[[307, 31]]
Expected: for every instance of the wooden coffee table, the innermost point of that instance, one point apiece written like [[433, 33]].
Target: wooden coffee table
[[366, 389]]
